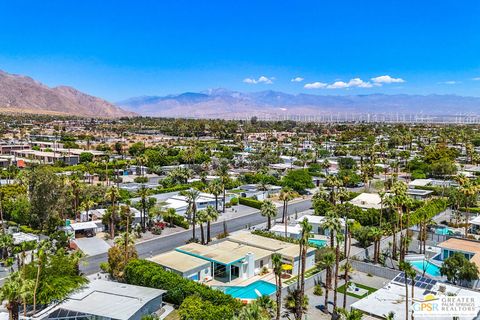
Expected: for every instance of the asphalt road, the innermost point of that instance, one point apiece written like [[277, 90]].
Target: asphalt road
[[156, 246]]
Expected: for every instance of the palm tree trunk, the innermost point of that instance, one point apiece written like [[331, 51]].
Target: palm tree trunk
[[208, 232], [346, 284], [279, 296], [202, 234], [269, 222], [406, 298], [327, 286], [337, 261], [37, 282], [224, 197]]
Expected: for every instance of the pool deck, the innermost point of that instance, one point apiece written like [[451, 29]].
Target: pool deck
[[269, 277]]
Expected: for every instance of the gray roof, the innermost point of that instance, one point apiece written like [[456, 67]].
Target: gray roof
[[110, 299]]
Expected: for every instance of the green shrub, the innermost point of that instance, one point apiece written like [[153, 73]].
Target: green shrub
[[179, 187], [179, 221], [318, 290], [149, 274], [141, 180], [249, 202], [271, 235], [234, 201]]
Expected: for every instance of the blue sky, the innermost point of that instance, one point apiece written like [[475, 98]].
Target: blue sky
[[119, 49]]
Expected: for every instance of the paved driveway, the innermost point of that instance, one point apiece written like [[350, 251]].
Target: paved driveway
[[92, 246]]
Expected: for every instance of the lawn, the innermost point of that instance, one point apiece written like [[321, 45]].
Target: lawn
[[308, 274], [369, 289], [173, 315]]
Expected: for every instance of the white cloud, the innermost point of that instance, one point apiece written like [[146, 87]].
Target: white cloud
[[315, 85], [386, 79], [261, 79], [338, 85], [297, 79], [476, 79], [357, 82], [449, 82]]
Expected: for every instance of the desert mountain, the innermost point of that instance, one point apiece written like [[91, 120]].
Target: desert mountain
[[24, 94], [222, 103]]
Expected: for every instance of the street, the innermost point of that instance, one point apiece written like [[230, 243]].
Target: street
[[91, 264]]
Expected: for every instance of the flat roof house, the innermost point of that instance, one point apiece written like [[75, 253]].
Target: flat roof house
[[367, 201], [391, 298], [230, 260], [470, 249], [187, 266], [105, 300]]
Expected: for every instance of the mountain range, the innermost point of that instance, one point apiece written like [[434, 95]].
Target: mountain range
[[22, 94], [222, 103], [25, 95]]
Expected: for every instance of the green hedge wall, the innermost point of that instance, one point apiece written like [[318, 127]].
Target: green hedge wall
[[251, 203], [149, 274]]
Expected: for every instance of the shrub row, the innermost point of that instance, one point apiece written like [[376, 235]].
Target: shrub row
[[179, 187], [149, 274], [268, 234], [249, 202], [180, 221]]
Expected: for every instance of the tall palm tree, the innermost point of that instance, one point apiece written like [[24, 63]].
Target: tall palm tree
[[333, 225], [304, 236], [277, 270], [192, 196], [268, 210], [10, 292], [339, 237], [215, 188], [406, 267], [212, 215], [112, 195], [202, 217], [350, 315], [143, 193], [327, 262], [347, 268], [222, 172], [286, 194]]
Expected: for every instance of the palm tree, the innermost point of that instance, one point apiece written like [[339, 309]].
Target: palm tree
[[202, 217], [11, 292], [169, 215], [277, 270], [222, 172], [333, 225], [339, 238], [215, 188], [406, 267], [268, 210], [347, 268], [192, 195], [212, 215], [304, 236], [327, 262], [286, 194], [143, 193], [112, 195], [350, 315]]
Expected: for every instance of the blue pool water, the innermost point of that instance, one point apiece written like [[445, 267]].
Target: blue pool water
[[248, 292], [443, 231], [429, 268], [317, 242]]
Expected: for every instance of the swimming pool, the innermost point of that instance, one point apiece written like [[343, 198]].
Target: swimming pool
[[248, 292], [317, 242], [443, 231], [430, 268]]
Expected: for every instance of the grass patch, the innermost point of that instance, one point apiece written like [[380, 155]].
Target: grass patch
[[309, 273], [370, 290]]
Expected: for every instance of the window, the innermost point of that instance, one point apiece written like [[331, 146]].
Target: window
[[261, 263]]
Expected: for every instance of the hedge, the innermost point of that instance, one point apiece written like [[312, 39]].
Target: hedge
[[180, 221], [149, 274], [429, 210], [249, 202], [271, 235], [179, 187]]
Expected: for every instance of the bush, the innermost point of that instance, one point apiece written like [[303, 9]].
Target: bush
[[141, 180], [249, 202], [149, 274], [234, 201], [179, 187], [179, 221], [271, 235], [318, 290]]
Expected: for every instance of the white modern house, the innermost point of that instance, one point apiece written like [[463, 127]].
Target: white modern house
[[105, 300]]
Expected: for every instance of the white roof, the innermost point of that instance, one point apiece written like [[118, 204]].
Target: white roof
[[290, 229], [475, 221], [367, 200], [391, 298], [19, 237], [311, 219], [420, 182], [110, 299], [83, 225]]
